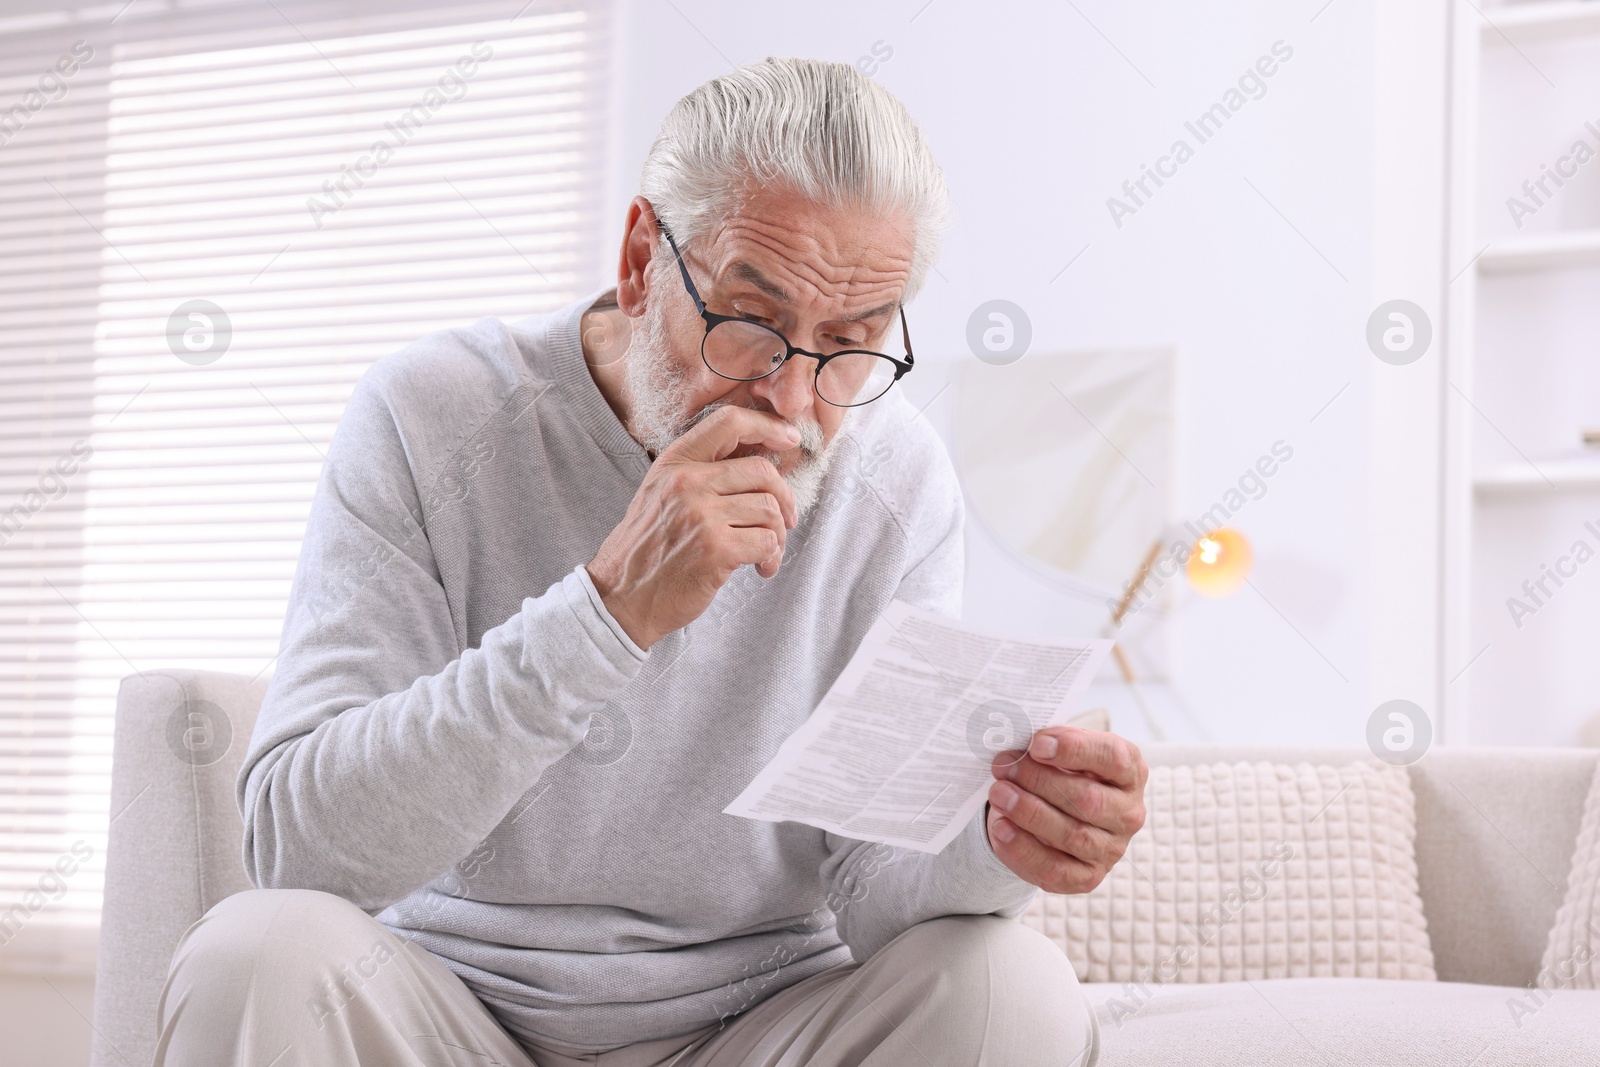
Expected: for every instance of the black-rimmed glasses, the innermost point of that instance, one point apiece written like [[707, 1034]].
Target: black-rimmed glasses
[[745, 351]]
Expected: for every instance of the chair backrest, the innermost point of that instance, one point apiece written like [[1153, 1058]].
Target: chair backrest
[[175, 840], [1496, 829]]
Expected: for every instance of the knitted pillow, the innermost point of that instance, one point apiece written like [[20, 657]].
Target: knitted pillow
[[1569, 955], [1255, 870]]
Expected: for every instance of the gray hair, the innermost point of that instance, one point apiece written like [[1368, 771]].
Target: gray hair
[[823, 129]]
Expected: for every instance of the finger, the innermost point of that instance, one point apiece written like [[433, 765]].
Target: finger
[[755, 545], [751, 510], [1104, 755], [1085, 798], [725, 429], [752, 474], [1037, 863], [1054, 827]]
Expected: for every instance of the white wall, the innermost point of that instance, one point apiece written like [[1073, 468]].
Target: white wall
[[1255, 262]]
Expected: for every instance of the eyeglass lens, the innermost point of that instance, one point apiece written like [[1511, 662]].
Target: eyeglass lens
[[747, 350]]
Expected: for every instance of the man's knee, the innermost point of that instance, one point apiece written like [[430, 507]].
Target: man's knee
[[996, 968], [241, 930], [293, 946]]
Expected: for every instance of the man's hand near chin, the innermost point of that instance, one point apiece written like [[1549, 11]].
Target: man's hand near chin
[[698, 516], [1062, 813]]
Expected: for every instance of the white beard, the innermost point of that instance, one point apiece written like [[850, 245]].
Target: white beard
[[656, 388]]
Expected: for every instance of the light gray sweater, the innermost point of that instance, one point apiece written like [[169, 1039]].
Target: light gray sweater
[[422, 749]]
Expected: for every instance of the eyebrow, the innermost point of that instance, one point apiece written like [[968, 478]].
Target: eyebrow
[[870, 313], [748, 272]]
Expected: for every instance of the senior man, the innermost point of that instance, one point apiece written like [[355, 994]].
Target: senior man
[[567, 585]]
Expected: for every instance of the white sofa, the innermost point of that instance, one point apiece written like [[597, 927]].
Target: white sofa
[[1496, 831]]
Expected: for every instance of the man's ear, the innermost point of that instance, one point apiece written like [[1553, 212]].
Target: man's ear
[[639, 238]]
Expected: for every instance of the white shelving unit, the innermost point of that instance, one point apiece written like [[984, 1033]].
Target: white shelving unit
[[1546, 476], [1504, 515], [1527, 23], [1544, 251]]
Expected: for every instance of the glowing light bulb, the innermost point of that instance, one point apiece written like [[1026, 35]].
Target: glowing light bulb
[[1219, 562]]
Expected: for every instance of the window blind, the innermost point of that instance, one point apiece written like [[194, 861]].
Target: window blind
[[213, 218]]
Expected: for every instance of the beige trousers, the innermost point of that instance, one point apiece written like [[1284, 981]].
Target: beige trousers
[[960, 991]]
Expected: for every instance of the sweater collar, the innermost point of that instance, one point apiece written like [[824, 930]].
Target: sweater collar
[[562, 340]]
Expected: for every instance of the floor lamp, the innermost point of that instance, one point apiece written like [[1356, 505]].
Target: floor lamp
[[1215, 565]]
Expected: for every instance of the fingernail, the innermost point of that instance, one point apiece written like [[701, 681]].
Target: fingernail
[[1008, 768], [1003, 796], [1044, 747], [1004, 831]]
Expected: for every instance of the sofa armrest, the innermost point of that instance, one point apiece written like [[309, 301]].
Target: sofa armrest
[[175, 839]]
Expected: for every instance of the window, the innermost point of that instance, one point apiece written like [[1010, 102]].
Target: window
[[213, 218]]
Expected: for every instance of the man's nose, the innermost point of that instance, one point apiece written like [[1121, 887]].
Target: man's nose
[[789, 389]]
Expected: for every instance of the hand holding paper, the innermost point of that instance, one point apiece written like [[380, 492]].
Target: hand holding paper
[[900, 750], [1063, 813]]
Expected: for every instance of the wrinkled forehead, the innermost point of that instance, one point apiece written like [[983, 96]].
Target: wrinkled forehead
[[841, 262]]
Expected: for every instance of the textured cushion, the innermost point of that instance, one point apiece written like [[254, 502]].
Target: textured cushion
[[1569, 958], [1321, 1022], [1252, 871], [1495, 835]]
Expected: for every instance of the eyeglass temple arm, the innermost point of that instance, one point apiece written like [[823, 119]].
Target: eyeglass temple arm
[[905, 331], [699, 305]]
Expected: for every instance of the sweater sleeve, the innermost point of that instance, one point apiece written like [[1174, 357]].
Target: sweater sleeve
[[385, 752], [876, 891]]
